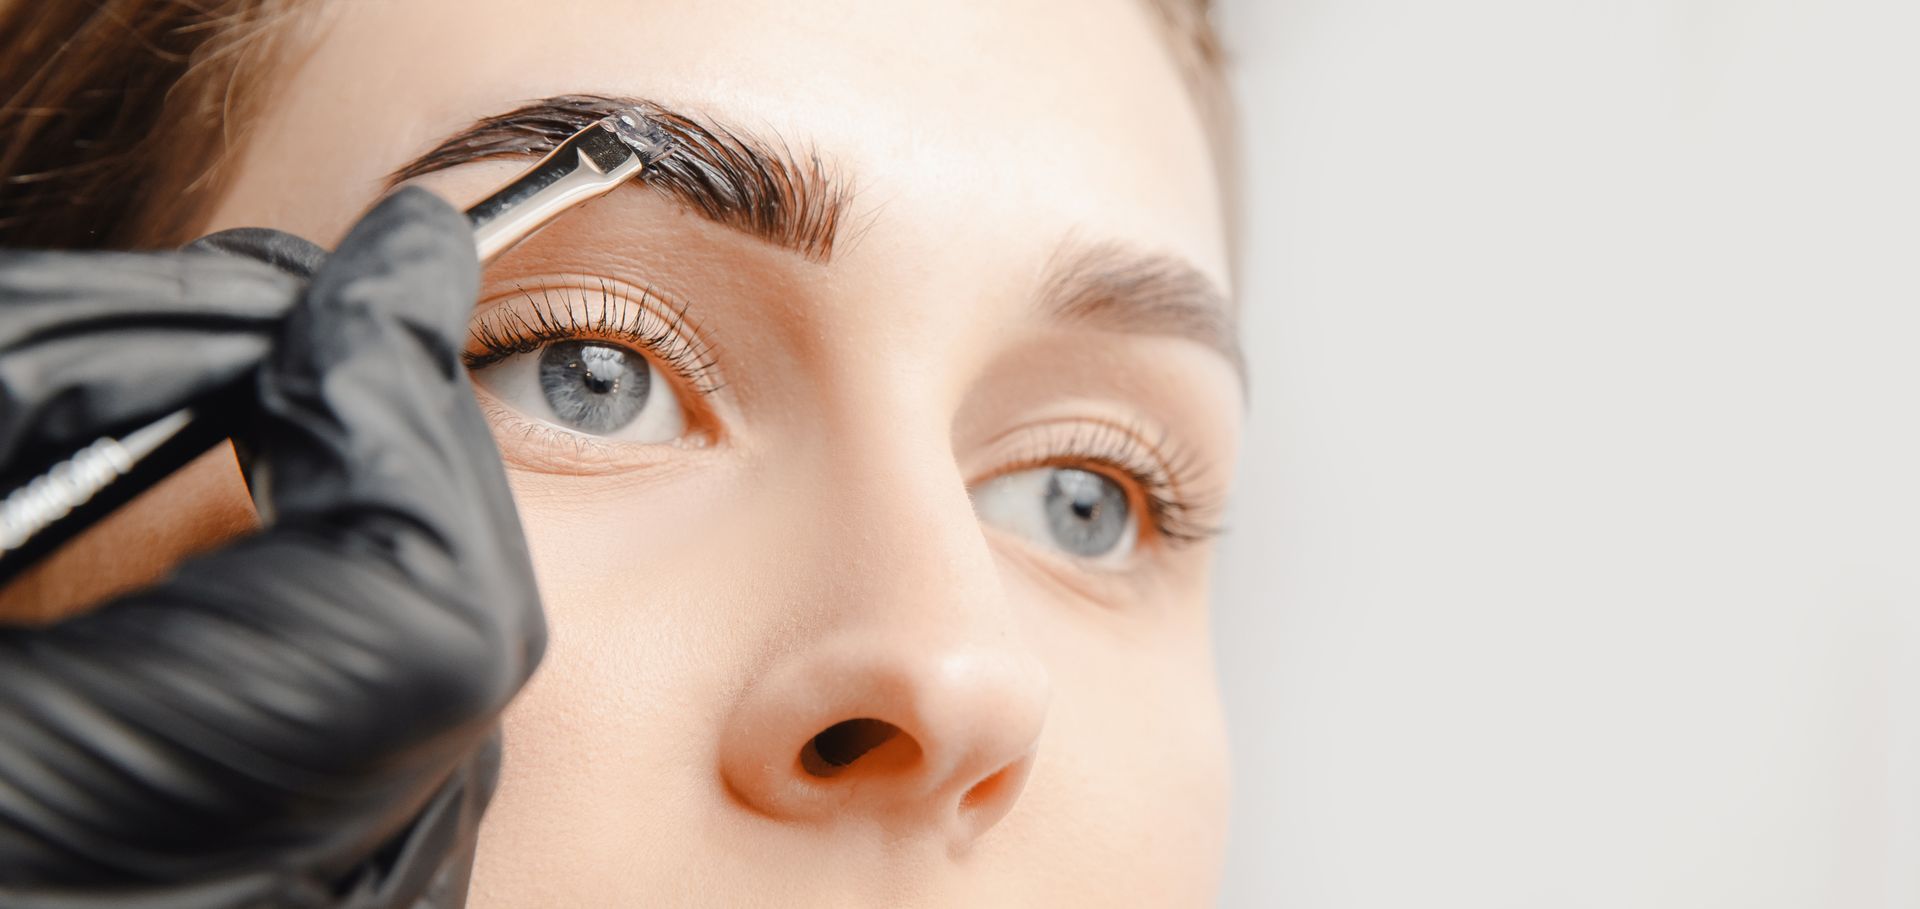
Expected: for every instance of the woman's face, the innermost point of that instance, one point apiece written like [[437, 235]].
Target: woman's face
[[942, 478]]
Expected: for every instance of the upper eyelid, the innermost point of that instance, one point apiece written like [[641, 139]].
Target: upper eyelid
[[1040, 442], [677, 312], [654, 317]]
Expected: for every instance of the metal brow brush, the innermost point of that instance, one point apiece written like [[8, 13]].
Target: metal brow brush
[[591, 162], [46, 511]]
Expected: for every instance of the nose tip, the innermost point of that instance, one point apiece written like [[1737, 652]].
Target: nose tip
[[941, 747]]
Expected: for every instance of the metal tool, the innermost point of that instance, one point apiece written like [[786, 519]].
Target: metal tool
[[44, 512]]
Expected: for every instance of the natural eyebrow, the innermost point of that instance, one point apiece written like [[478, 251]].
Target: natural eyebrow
[[1112, 287], [759, 187]]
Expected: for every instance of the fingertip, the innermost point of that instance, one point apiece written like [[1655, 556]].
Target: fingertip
[[286, 253]]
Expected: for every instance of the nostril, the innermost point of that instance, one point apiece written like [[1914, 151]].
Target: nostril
[[843, 743], [987, 789]]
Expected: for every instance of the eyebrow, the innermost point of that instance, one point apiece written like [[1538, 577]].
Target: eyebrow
[[764, 189], [796, 201], [1109, 286]]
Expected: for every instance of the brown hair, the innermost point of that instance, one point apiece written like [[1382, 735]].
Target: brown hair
[[116, 116]]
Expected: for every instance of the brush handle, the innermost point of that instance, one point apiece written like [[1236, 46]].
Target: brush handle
[[42, 515], [590, 163]]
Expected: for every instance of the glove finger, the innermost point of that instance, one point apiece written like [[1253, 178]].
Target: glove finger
[[296, 697], [368, 427], [284, 252], [96, 343]]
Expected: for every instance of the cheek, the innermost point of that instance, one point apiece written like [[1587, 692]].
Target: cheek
[[1134, 769], [612, 720], [610, 749], [1149, 788]]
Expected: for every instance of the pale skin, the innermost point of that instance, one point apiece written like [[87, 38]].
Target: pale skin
[[814, 547]]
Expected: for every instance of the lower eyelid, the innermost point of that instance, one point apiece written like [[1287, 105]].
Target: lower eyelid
[[1102, 585], [543, 448]]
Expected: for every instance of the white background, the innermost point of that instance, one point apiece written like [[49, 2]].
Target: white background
[[1576, 554]]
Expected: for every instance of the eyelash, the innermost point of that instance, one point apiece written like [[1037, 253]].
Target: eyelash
[[1178, 516], [651, 324]]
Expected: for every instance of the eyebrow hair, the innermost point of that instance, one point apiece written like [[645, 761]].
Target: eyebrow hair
[[759, 187], [1110, 286], [798, 202]]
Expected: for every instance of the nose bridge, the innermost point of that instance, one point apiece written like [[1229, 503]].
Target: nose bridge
[[914, 588], [907, 694], [903, 506]]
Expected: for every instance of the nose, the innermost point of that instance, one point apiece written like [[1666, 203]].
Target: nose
[[930, 737], [902, 693]]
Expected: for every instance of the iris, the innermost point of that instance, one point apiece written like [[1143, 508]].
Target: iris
[[594, 387], [1086, 512]]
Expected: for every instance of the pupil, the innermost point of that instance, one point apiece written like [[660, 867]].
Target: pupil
[[596, 384], [592, 386]]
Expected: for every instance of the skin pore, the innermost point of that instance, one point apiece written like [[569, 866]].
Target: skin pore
[[814, 640]]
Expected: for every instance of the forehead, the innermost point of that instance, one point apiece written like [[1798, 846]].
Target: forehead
[[987, 119]]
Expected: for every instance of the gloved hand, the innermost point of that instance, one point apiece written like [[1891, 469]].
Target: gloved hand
[[306, 718]]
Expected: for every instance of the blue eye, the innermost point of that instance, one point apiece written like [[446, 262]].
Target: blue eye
[[1082, 513], [597, 388], [592, 387], [1086, 513]]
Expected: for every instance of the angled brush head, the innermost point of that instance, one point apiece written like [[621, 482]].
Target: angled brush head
[[642, 135], [588, 164]]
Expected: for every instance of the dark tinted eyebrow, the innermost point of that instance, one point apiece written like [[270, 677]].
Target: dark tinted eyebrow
[[758, 186], [1111, 287]]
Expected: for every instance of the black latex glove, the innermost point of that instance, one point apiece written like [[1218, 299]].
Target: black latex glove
[[307, 717]]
